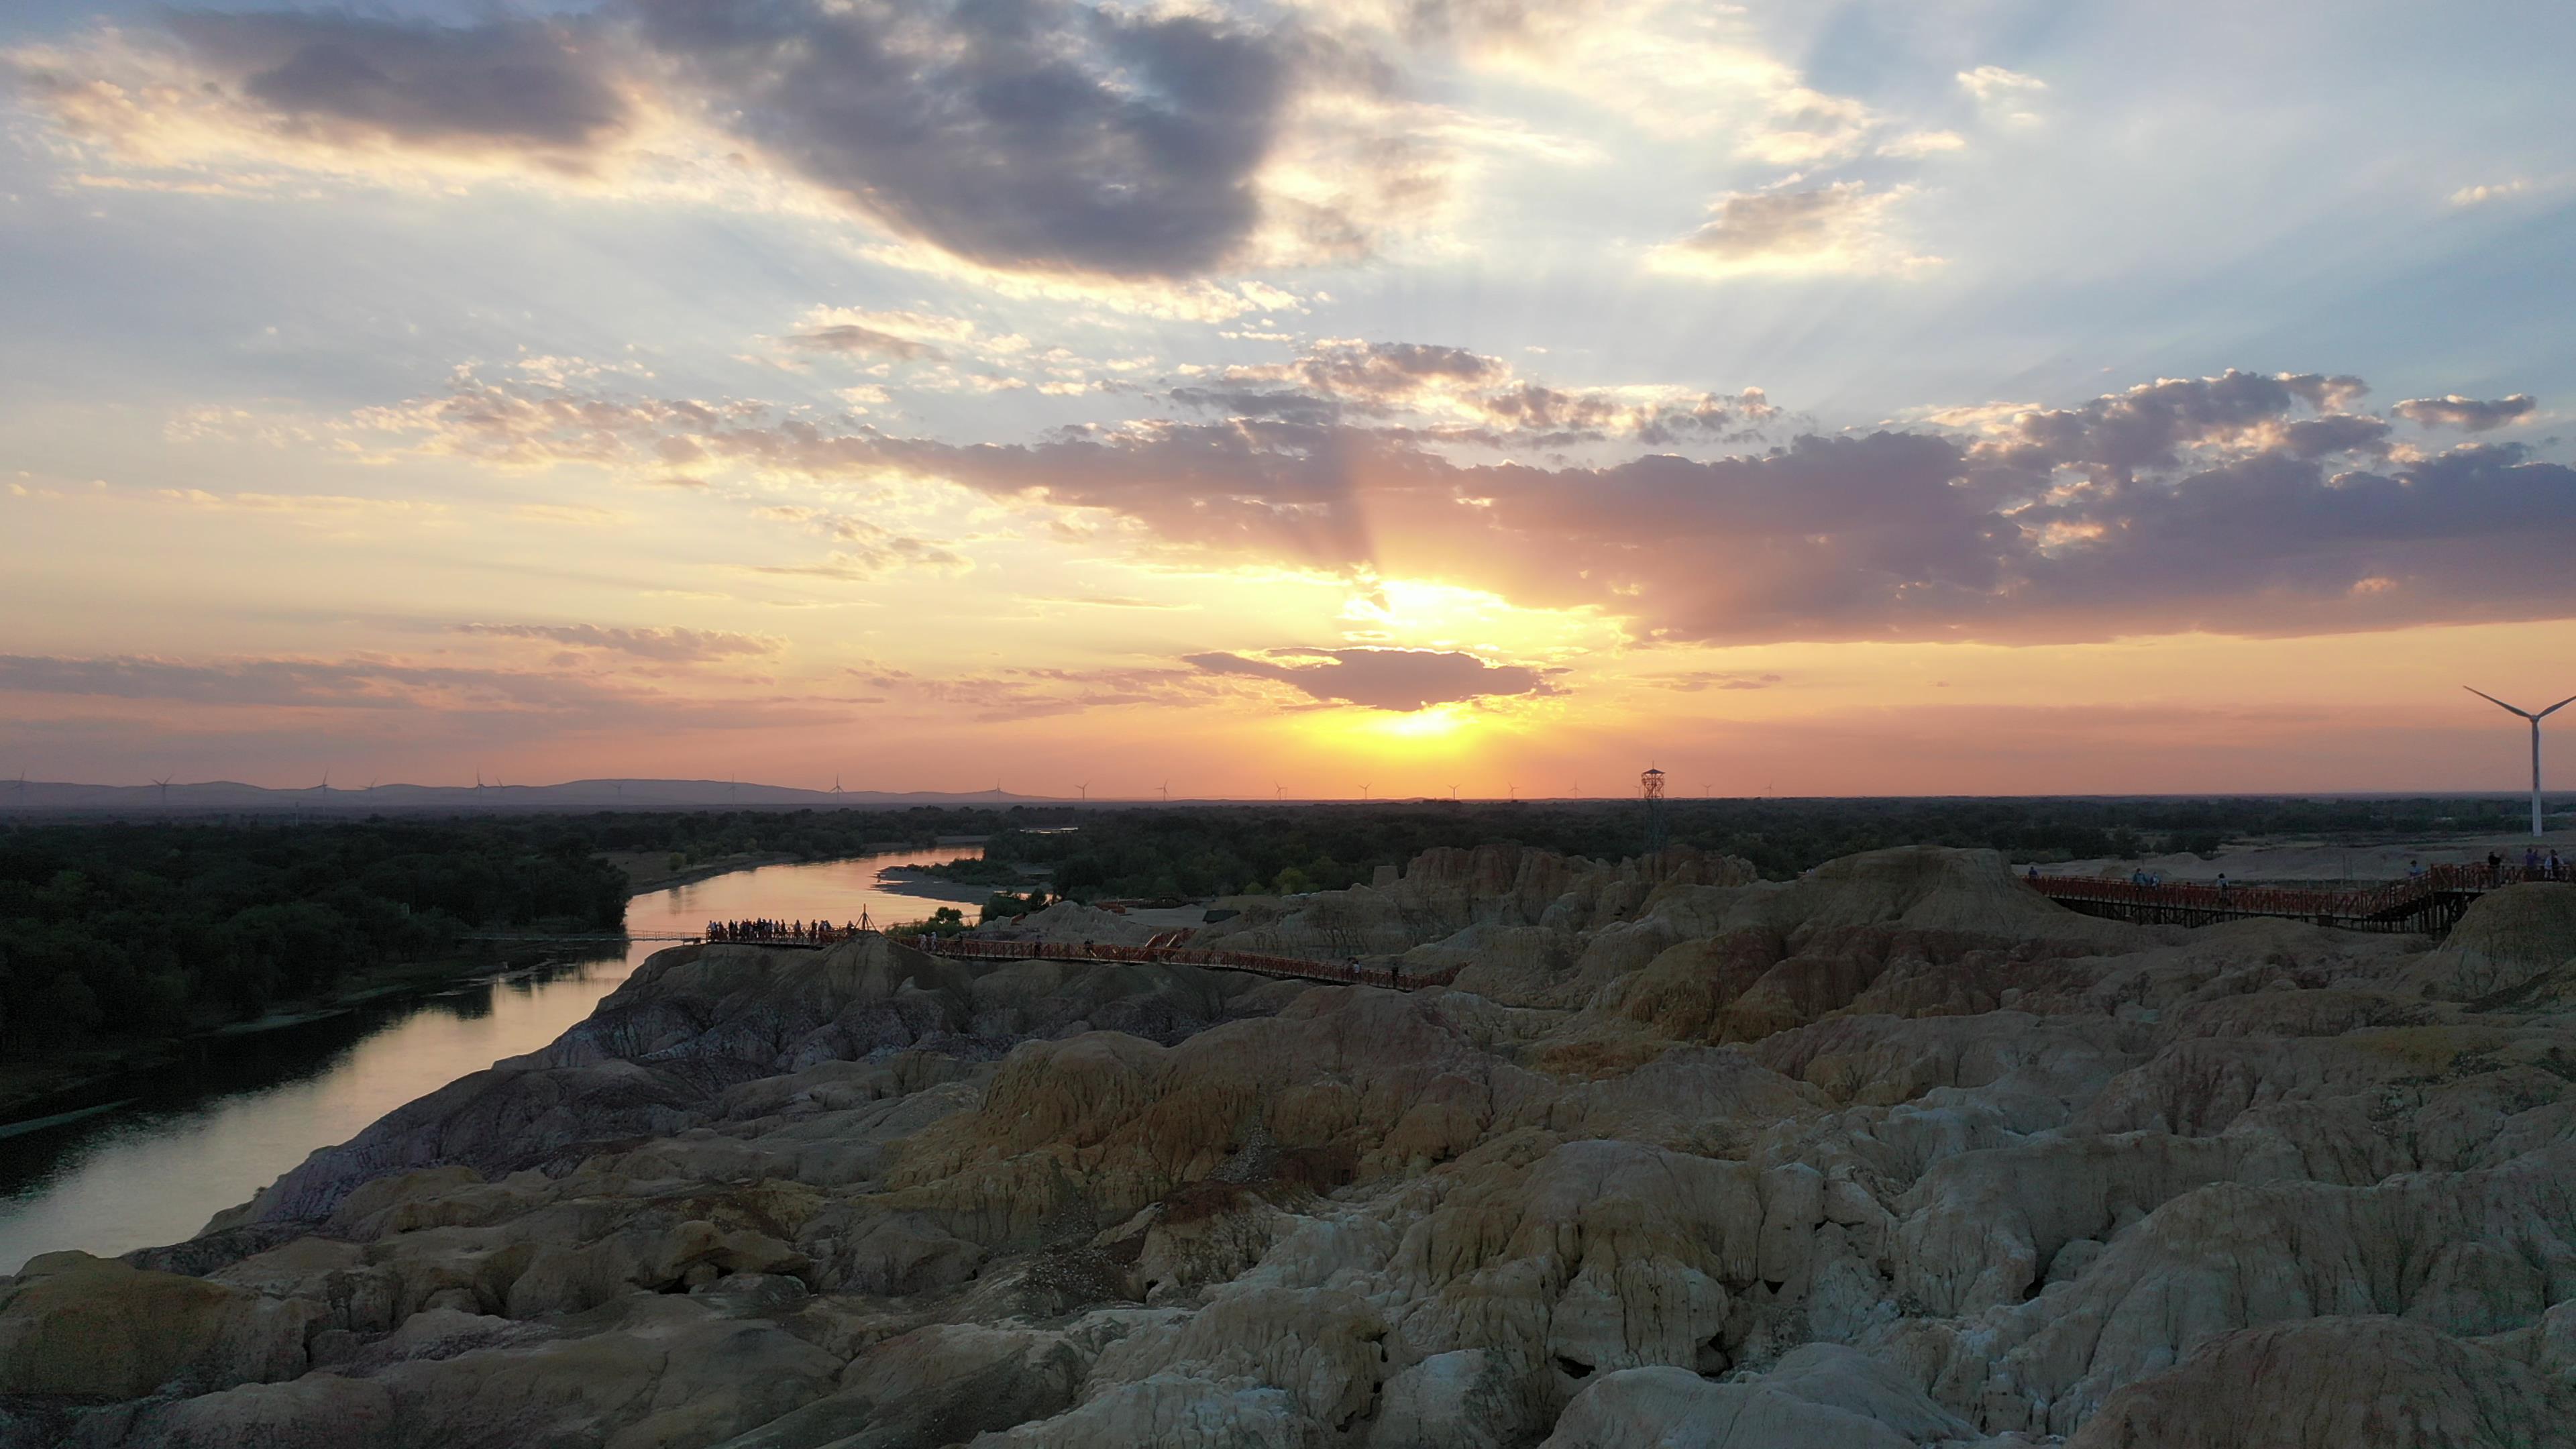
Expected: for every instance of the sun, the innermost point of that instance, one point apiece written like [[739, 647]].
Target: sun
[[1421, 724]]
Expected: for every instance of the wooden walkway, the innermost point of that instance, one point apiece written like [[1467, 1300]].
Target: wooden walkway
[[2430, 903], [1167, 950]]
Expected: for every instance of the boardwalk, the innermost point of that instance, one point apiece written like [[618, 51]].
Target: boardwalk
[[2431, 902], [1165, 951]]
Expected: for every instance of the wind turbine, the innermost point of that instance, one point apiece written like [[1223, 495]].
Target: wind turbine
[[836, 783], [164, 783], [1278, 791], [1085, 788], [2535, 742], [1512, 791], [1166, 788], [1363, 790]]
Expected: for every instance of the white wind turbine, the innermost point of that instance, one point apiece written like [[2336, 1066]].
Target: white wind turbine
[[2535, 742]]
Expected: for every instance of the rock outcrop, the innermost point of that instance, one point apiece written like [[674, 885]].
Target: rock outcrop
[[1896, 1155]]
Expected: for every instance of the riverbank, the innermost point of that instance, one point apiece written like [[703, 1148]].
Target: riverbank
[[74, 1079], [78, 1077]]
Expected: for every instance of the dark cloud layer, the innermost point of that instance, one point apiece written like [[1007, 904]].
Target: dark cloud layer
[[1389, 679], [2242, 504], [1032, 135], [2466, 413], [501, 82], [1018, 133], [2151, 426]]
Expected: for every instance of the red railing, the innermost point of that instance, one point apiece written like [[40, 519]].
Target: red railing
[[1350, 973], [2390, 899]]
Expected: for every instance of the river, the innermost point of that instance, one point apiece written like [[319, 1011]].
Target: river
[[193, 1139]]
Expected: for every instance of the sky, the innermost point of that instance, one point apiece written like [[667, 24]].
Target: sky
[[1307, 398]]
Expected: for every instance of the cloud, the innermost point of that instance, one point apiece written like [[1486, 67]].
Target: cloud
[[850, 337], [1923, 143], [2153, 424], [2467, 414], [1027, 134], [309, 505], [1698, 680], [1388, 679], [229, 97], [351, 79], [674, 646], [1035, 692], [1045, 137], [869, 549], [2245, 503], [360, 684], [1454, 395], [2483, 193], [1994, 83], [1841, 227]]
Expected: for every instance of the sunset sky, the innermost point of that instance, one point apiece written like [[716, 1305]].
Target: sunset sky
[[1849, 398]]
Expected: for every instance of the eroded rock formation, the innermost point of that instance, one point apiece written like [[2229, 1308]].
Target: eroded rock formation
[[1897, 1154]]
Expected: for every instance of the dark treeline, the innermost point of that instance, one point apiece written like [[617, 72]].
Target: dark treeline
[[1219, 849], [701, 837], [152, 929]]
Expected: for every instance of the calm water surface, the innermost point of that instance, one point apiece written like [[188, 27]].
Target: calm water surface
[[194, 1139]]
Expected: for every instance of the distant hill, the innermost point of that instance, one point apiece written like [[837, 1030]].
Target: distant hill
[[229, 797]]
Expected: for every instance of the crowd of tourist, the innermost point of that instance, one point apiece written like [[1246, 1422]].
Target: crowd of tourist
[[793, 933]]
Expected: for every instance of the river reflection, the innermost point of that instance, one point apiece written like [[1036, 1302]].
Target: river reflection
[[193, 1139]]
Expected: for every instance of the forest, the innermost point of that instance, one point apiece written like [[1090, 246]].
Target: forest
[[1153, 853], [155, 929]]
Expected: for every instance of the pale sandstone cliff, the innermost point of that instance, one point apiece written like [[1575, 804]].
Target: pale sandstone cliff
[[1894, 1155]]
